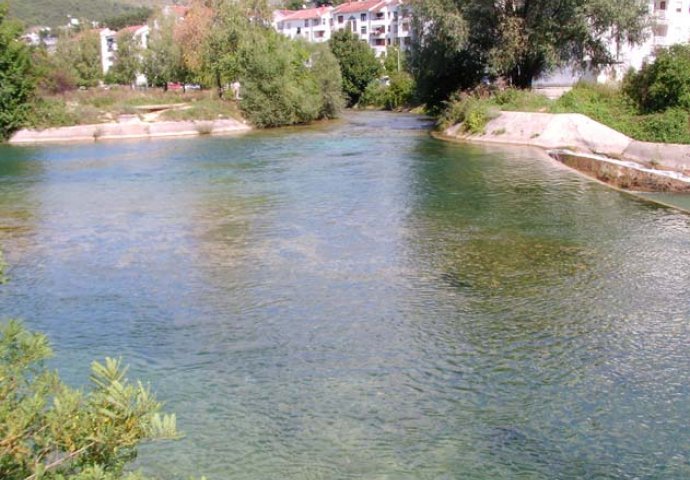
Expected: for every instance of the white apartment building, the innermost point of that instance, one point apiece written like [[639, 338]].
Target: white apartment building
[[379, 23], [310, 24], [109, 43]]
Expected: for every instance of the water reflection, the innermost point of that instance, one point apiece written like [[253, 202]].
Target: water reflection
[[358, 300]]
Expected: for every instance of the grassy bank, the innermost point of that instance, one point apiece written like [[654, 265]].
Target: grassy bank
[[92, 106], [606, 104]]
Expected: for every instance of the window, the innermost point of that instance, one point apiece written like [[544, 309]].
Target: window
[[662, 5], [299, 30], [341, 19], [363, 30], [363, 17], [306, 23]]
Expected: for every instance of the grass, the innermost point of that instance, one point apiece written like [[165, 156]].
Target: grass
[[603, 103], [206, 109], [93, 106]]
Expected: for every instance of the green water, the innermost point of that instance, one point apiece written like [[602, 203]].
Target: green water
[[360, 301]]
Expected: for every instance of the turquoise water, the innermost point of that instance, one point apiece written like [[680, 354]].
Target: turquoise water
[[359, 300]]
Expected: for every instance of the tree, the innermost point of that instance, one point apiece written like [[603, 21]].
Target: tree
[[16, 80], [162, 60], [138, 16], [53, 432], [80, 56], [518, 39], [664, 83], [358, 64], [128, 59]]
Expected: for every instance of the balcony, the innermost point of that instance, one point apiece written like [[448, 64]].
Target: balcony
[[661, 16]]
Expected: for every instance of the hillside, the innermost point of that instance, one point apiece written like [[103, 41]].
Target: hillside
[[55, 12]]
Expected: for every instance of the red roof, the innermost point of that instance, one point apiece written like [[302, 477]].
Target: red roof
[[131, 29], [356, 7], [308, 13], [389, 3], [179, 10]]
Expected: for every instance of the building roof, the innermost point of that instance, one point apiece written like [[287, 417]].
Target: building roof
[[356, 7], [386, 3], [179, 10], [308, 13], [133, 29]]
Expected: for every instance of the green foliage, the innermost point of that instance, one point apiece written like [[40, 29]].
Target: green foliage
[[53, 13], [472, 112], [162, 60], [138, 16], [16, 78], [395, 60], [663, 84], [515, 99], [283, 82], [128, 60], [54, 432], [399, 92], [50, 112], [80, 57], [279, 86], [358, 64], [465, 40]]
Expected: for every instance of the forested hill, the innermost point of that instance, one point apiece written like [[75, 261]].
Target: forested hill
[[55, 12]]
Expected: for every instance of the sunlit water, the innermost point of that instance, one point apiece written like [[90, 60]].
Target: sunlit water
[[359, 300]]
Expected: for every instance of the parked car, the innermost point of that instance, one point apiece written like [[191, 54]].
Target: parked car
[[192, 86], [175, 86]]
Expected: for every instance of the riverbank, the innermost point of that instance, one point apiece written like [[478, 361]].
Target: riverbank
[[590, 147], [130, 128]]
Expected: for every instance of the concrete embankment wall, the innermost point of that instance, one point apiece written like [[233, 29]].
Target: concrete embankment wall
[[136, 129], [579, 133]]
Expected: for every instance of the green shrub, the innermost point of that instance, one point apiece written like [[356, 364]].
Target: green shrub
[[53, 432], [373, 95], [514, 99], [286, 82], [400, 91], [16, 76], [670, 126], [663, 84], [50, 112], [473, 113]]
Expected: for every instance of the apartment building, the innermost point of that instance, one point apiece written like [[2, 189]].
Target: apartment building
[[379, 23], [310, 24], [109, 43]]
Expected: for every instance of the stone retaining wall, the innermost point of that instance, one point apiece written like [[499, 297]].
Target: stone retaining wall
[[134, 129]]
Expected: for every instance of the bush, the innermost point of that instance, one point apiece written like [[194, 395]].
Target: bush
[[670, 126], [53, 432], [358, 64], [473, 113], [663, 84], [514, 99], [286, 82], [16, 77], [398, 94], [50, 112]]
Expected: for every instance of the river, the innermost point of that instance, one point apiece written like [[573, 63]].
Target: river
[[359, 300]]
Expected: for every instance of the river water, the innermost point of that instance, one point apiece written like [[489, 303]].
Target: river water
[[359, 300]]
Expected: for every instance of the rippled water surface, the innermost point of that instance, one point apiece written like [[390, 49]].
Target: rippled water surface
[[358, 300]]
